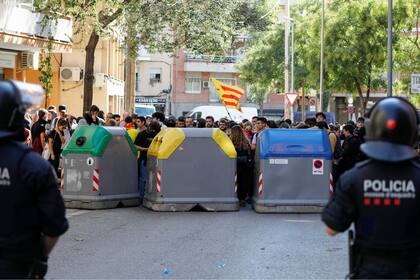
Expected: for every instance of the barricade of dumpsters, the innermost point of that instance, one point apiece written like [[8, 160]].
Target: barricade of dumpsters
[[196, 167], [191, 167], [292, 171], [100, 169]]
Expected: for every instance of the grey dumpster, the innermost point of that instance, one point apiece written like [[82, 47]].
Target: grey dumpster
[[191, 167], [293, 170], [100, 169]]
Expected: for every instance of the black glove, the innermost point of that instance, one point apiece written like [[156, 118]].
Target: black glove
[[38, 269]]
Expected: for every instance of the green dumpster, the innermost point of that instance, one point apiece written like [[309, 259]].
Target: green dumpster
[[100, 169]]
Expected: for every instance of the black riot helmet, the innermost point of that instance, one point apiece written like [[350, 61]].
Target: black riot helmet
[[15, 99], [392, 130]]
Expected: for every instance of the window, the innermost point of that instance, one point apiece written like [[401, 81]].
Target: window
[[155, 75], [193, 83], [214, 96], [137, 82]]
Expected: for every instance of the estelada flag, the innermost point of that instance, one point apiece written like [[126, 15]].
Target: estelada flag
[[229, 95]]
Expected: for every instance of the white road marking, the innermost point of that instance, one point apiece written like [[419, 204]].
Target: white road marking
[[77, 213], [299, 221]]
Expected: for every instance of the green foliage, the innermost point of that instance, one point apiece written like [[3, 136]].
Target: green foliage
[[257, 95], [263, 63], [45, 67], [355, 53]]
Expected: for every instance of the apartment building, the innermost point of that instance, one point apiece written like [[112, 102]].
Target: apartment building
[[193, 86], [22, 38], [108, 87], [177, 84], [154, 80]]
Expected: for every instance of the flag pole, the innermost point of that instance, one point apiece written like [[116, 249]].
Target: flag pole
[[228, 112]]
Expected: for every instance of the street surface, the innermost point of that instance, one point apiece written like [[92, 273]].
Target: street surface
[[138, 243]]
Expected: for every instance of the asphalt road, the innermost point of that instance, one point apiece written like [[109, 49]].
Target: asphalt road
[[138, 243]]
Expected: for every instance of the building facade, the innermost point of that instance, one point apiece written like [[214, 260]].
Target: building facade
[[154, 80], [22, 40], [176, 85], [108, 87]]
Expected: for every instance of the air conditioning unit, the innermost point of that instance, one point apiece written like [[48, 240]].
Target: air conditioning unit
[[29, 60], [71, 74], [206, 84], [100, 80]]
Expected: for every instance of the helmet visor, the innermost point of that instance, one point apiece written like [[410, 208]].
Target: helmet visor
[[32, 96]]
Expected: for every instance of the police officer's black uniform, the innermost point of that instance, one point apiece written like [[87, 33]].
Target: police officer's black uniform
[[382, 196], [31, 205]]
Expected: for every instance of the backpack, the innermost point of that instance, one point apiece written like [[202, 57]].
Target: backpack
[[338, 150]]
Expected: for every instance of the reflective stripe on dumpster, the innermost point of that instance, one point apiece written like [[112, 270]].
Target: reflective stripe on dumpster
[[260, 184], [95, 180]]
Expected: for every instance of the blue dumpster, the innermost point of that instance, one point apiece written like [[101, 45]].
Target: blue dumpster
[[293, 171]]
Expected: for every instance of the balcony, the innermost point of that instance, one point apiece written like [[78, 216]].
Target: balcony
[[21, 29], [210, 63]]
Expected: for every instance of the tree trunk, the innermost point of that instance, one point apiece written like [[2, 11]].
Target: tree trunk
[[262, 108], [90, 56], [130, 80], [360, 92], [369, 85], [89, 70]]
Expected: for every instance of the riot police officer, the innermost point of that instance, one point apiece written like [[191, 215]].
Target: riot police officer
[[381, 196], [32, 214]]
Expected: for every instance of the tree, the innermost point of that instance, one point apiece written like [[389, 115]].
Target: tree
[[45, 67], [166, 26], [263, 64], [355, 46], [257, 95]]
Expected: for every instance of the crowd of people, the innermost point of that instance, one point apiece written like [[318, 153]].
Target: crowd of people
[[48, 131]]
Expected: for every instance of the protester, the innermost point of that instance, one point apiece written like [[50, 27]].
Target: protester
[[159, 117], [351, 150], [180, 123], [223, 124], [38, 132], [243, 164], [201, 123], [131, 128], [117, 118], [55, 142], [189, 122], [310, 122], [94, 112], [87, 119], [272, 124], [320, 117], [260, 125], [209, 122], [171, 122], [142, 142], [248, 131], [360, 130], [109, 116], [62, 114], [141, 124], [122, 119]]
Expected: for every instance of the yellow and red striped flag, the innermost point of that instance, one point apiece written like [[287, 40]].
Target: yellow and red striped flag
[[229, 95]]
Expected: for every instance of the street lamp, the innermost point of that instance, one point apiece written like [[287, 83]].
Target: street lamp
[[389, 90], [321, 74]]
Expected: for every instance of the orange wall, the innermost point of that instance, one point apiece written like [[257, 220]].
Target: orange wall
[[32, 75]]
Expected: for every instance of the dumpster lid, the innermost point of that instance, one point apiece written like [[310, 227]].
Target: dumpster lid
[[94, 139], [276, 142]]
